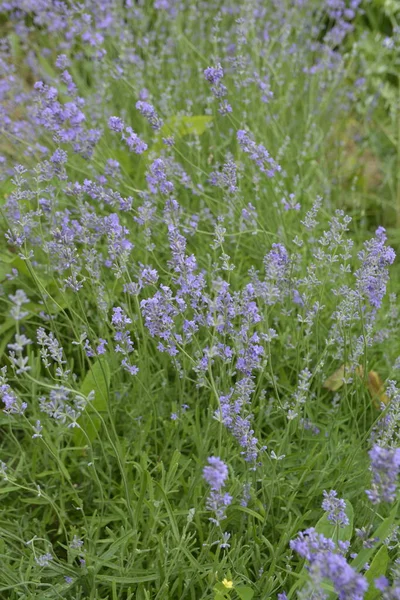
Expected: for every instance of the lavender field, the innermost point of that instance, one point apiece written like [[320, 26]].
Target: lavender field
[[199, 299]]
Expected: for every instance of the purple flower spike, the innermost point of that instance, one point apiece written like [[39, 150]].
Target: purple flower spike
[[335, 507], [385, 467], [216, 473]]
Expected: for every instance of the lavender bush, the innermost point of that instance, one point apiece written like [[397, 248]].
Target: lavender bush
[[200, 328]]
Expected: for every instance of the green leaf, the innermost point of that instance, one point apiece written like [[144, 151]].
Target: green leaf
[[174, 526], [7, 257], [381, 533], [378, 567], [8, 489], [97, 380], [179, 126], [16, 49], [251, 512], [6, 333], [190, 125], [219, 588], [244, 592], [128, 580], [8, 324]]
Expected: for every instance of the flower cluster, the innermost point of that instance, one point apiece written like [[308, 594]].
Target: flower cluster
[[258, 153], [148, 111], [214, 76], [216, 474], [385, 467], [65, 120], [373, 274], [122, 337], [132, 140], [336, 508], [326, 561]]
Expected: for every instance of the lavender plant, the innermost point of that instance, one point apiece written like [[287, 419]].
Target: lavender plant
[[184, 266]]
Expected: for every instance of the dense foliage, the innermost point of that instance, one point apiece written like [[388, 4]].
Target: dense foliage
[[200, 332]]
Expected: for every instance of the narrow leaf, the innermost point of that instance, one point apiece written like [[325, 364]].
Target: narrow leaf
[[97, 380], [378, 567]]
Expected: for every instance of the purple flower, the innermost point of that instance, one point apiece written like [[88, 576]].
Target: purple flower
[[66, 78], [335, 507], [327, 561], [66, 120], [234, 414], [214, 74], [258, 154], [224, 107], [59, 157], [217, 502], [119, 317], [18, 300], [112, 168], [10, 399], [122, 336], [133, 141], [291, 204], [148, 111], [215, 473], [50, 347], [149, 276], [309, 543], [224, 543], [62, 62], [101, 348], [246, 495], [385, 467], [381, 583], [373, 276], [157, 178], [37, 428], [227, 177], [131, 369], [275, 286], [44, 560], [116, 124], [159, 314]]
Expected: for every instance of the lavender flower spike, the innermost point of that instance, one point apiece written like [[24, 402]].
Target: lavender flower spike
[[258, 153], [385, 467], [335, 507], [148, 111], [327, 562], [373, 275], [216, 473]]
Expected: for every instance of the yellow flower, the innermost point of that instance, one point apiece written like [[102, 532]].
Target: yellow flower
[[228, 584]]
